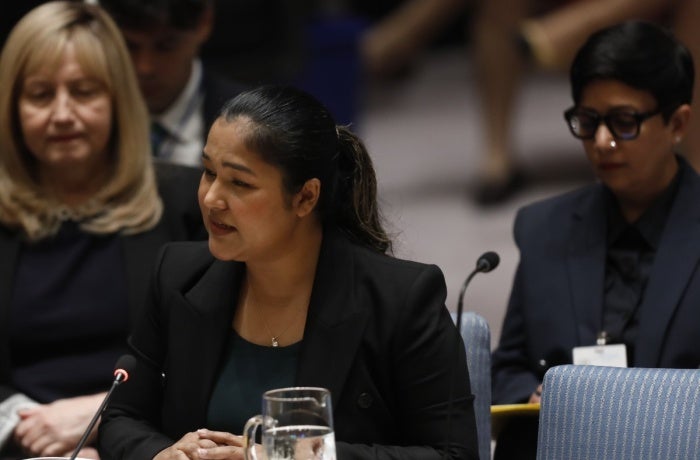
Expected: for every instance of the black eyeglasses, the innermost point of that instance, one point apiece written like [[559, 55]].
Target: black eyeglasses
[[623, 123]]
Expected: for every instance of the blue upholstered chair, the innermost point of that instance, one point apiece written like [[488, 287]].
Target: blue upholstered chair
[[612, 413], [477, 342]]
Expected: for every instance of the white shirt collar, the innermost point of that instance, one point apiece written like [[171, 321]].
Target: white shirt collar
[[184, 122], [173, 118]]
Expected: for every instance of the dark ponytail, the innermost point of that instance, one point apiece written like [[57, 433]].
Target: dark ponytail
[[358, 185], [294, 132]]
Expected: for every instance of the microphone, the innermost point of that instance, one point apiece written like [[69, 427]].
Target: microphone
[[484, 264], [121, 374]]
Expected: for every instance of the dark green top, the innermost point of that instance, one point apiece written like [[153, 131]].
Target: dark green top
[[247, 371]]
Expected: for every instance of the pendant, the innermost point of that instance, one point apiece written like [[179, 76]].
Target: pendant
[[275, 342]]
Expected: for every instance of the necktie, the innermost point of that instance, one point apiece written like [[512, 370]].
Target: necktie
[[158, 135]]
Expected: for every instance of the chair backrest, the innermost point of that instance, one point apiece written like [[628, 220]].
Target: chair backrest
[[612, 413], [477, 343]]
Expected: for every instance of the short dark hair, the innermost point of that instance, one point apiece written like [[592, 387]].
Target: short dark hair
[[294, 132], [639, 54], [145, 14]]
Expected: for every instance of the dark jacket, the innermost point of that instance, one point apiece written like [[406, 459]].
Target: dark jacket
[[181, 220], [557, 298], [377, 335]]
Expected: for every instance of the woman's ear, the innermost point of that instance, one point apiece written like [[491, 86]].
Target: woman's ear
[[306, 199]]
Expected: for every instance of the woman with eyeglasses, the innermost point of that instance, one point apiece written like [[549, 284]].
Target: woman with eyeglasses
[[617, 262]]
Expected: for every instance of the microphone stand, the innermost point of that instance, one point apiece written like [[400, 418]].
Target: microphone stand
[[460, 300], [487, 262], [120, 377]]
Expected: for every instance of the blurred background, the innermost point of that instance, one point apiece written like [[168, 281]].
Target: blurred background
[[404, 74], [424, 134]]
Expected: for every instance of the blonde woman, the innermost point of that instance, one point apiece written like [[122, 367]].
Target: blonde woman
[[83, 212]]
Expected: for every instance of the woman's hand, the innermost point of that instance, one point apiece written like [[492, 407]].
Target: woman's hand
[[185, 448], [204, 444], [55, 428], [228, 446]]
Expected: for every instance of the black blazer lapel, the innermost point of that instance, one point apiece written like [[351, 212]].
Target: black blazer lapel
[[335, 324], [204, 325], [674, 264], [586, 264], [181, 220]]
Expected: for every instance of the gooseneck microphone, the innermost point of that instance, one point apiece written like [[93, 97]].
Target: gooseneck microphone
[[121, 374], [484, 264]]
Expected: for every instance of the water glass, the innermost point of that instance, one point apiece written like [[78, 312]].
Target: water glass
[[296, 424]]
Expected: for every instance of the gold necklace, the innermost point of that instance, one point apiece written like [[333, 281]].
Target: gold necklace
[[274, 339]]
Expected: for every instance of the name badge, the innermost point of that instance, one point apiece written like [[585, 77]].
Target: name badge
[[601, 355]]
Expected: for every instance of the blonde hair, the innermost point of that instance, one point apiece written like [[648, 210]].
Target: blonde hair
[[128, 202]]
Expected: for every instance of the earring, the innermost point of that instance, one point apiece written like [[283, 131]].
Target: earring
[[613, 144]]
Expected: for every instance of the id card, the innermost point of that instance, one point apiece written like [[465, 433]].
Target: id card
[[601, 355]]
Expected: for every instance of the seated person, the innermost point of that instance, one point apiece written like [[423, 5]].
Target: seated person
[[183, 97], [618, 258], [293, 289], [83, 213]]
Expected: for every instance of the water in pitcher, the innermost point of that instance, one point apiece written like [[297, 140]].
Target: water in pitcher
[[302, 442]]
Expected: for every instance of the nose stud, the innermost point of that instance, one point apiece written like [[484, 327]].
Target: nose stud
[[613, 144]]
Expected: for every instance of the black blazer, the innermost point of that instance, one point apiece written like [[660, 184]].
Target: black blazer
[[181, 220], [557, 298], [377, 335]]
